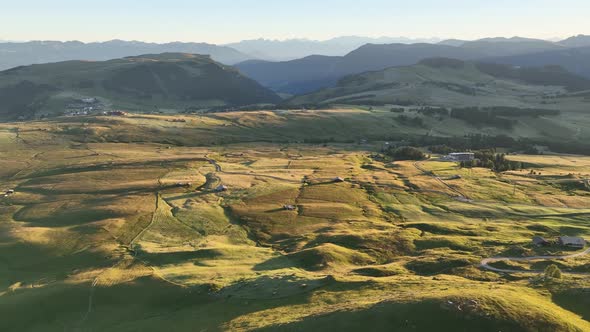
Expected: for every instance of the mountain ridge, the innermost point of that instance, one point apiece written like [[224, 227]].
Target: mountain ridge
[[153, 81], [39, 52], [445, 82]]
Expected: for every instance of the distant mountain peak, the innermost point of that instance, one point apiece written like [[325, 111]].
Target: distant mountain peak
[[576, 41]]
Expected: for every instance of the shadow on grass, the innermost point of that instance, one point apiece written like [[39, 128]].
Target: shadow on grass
[[575, 300], [389, 316], [179, 257]]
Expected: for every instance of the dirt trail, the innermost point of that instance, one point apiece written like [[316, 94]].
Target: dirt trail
[[219, 169], [461, 195], [214, 163], [130, 246]]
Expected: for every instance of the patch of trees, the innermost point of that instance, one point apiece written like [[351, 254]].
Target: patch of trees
[[496, 116], [446, 145], [403, 102], [405, 153], [496, 162], [479, 117], [366, 99], [552, 272], [519, 112], [475, 142], [466, 90], [433, 111], [443, 62], [410, 121], [442, 149], [548, 75], [573, 147]]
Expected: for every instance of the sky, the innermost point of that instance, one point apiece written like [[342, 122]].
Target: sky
[[224, 21]]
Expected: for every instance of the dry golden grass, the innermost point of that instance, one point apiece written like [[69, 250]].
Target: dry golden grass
[[87, 211]]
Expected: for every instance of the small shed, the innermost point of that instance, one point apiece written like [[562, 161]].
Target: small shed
[[572, 241], [540, 241], [9, 191], [289, 207], [221, 188], [338, 179]]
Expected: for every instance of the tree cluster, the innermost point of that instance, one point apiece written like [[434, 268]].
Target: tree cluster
[[496, 162]]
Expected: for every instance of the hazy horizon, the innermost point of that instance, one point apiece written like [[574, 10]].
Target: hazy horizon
[[432, 39], [225, 22]]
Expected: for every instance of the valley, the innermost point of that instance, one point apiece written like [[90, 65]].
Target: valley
[[325, 166], [284, 220]]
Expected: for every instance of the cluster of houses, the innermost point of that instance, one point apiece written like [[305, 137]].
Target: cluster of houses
[[84, 106], [565, 241], [88, 106]]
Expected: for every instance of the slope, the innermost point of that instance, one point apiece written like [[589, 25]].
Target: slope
[[450, 83], [313, 72], [310, 73], [169, 81], [576, 60]]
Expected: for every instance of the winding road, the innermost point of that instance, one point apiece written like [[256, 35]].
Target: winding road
[[486, 261], [484, 264]]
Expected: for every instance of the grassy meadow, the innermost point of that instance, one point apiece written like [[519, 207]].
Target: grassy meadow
[[117, 223]]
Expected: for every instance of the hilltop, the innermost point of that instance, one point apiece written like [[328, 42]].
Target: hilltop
[[38, 52], [450, 83], [172, 81], [576, 41]]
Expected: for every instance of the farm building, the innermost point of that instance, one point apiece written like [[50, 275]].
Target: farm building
[[571, 241], [540, 241], [9, 192], [289, 207], [221, 188], [461, 156], [338, 179]]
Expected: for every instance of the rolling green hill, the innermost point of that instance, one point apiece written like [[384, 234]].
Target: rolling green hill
[[451, 83], [150, 82], [114, 224]]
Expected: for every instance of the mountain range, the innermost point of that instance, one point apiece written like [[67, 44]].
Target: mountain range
[[447, 82], [314, 72], [290, 49]]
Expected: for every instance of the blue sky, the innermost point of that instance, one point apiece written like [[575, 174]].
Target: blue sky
[[222, 21]]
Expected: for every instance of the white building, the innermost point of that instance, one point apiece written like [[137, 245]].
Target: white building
[[461, 156]]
